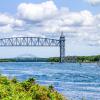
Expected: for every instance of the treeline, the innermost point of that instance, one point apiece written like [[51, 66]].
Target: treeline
[[31, 60], [88, 58], [8, 60], [72, 59], [79, 59], [24, 60]]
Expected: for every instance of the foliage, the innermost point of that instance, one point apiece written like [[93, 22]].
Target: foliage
[[26, 90], [7, 60], [88, 58], [54, 59], [57, 59], [84, 59], [14, 80]]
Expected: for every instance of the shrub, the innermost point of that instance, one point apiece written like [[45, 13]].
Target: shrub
[[26, 90], [14, 80]]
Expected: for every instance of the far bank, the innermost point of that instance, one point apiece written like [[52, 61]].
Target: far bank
[[69, 59]]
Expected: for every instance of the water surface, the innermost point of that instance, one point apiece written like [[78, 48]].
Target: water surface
[[71, 79]]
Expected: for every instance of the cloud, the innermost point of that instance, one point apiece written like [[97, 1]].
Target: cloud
[[18, 23], [9, 24], [47, 20], [36, 12], [88, 18], [6, 29], [98, 17], [93, 2], [4, 19], [10, 20], [94, 40]]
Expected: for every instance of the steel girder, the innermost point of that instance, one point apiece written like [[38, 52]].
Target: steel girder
[[29, 41]]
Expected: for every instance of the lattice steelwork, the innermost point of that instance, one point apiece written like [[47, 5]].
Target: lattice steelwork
[[28, 41], [35, 41]]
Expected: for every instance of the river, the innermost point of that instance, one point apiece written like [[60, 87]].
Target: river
[[73, 80]]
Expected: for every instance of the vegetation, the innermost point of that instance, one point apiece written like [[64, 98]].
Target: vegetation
[[24, 60], [84, 59], [54, 59], [11, 89], [88, 58], [7, 60]]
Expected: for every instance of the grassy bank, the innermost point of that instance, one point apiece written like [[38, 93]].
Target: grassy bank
[[11, 89]]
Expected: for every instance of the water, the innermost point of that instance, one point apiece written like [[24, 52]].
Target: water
[[73, 80]]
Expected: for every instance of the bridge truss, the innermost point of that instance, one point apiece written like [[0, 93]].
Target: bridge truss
[[28, 41], [35, 41]]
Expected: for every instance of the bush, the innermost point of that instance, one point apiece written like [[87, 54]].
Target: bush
[[14, 80], [26, 90]]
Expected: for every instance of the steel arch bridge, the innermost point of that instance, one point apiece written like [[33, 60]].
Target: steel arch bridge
[[35, 41]]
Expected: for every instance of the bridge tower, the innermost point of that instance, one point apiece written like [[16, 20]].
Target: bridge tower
[[62, 48]]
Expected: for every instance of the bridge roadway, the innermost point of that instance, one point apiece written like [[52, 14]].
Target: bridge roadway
[[35, 41]]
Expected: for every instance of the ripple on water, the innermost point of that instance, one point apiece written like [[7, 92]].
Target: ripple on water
[[72, 80]]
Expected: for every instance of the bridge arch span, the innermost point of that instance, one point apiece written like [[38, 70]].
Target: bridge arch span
[[35, 41]]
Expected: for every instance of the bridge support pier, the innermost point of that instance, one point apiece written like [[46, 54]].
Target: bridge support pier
[[62, 48]]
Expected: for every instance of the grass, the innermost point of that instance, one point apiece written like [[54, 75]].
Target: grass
[[11, 89]]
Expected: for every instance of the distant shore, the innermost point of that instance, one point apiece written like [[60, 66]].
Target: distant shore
[[78, 59], [69, 59]]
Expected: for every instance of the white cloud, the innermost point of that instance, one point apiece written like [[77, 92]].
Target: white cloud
[[69, 22], [18, 23], [36, 12], [4, 19], [10, 20], [93, 2], [88, 18], [46, 19], [78, 18], [9, 25], [98, 17], [6, 29]]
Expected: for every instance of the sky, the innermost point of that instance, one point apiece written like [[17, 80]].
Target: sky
[[79, 20]]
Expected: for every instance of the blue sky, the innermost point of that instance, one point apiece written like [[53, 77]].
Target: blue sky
[[74, 5], [78, 19]]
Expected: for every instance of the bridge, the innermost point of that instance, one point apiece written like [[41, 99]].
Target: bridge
[[36, 41]]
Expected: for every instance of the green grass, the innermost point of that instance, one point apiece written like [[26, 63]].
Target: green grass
[[11, 89]]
